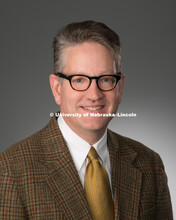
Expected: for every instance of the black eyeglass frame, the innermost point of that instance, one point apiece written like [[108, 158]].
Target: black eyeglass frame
[[117, 77]]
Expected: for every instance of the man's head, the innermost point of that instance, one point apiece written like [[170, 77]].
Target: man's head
[[93, 50], [87, 31]]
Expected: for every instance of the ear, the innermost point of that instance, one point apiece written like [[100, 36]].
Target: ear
[[55, 87], [122, 81]]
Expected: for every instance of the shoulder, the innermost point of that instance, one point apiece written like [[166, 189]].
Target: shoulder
[[145, 155], [25, 154], [18, 156]]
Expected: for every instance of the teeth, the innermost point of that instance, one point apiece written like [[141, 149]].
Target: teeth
[[93, 108]]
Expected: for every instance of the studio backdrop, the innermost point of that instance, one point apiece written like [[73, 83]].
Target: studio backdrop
[[148, 33]]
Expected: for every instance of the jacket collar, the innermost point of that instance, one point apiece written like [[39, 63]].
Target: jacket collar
[[126, 179], [64, 182], [62, 176]]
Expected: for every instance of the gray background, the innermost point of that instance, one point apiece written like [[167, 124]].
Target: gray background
[[148, 34]]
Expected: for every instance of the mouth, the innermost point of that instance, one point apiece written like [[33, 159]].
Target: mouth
[[93, 108]]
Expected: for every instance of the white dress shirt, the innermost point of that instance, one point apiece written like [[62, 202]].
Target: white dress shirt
[[79, 149]]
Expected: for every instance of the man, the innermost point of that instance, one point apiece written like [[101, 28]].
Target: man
[[57, 172]]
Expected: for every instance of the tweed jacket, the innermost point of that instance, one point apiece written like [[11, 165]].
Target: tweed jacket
[[38, 180]]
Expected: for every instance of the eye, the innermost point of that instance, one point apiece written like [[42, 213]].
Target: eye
[[78, 80], [106, 79]]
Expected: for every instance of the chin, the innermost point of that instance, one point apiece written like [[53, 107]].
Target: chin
[[93, 124]]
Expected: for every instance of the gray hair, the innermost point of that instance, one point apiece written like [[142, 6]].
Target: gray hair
[[87, 31]]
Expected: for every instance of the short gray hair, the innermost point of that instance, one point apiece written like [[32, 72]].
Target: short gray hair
[[86, 31]]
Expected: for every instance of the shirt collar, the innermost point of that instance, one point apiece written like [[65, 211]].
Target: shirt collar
[[78, 147]]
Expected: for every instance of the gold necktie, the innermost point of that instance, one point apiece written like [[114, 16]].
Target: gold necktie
[[97, 189]]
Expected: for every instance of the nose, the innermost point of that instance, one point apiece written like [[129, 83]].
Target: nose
[[93, 92]]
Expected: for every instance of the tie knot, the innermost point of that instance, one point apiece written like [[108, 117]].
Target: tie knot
[[92, 154]]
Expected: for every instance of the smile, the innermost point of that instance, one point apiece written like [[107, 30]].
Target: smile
[[92, 107]]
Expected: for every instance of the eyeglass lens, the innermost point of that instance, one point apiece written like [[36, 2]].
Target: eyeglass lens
[[83, 82]]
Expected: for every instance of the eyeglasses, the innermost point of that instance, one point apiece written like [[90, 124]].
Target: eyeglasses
[[81, 82]]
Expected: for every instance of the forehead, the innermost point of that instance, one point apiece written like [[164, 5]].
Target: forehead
[[88, 56]]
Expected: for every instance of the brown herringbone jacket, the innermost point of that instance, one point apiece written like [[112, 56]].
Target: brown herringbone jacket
[[38, 180]]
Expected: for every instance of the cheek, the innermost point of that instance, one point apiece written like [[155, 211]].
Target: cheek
[[114, 100], [70, 97], [113, 97]]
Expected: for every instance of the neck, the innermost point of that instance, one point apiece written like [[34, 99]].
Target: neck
[[90, 136]]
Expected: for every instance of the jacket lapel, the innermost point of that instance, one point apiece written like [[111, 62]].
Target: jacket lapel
[[62, 176], [64, 181], [126, 179]]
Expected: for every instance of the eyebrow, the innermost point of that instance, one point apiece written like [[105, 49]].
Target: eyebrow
[[85, 73]]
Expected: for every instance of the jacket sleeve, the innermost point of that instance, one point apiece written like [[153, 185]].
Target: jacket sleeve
[[163, 200], [10, 203]]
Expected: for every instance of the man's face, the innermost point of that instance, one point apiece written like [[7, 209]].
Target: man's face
[[91, 59]]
